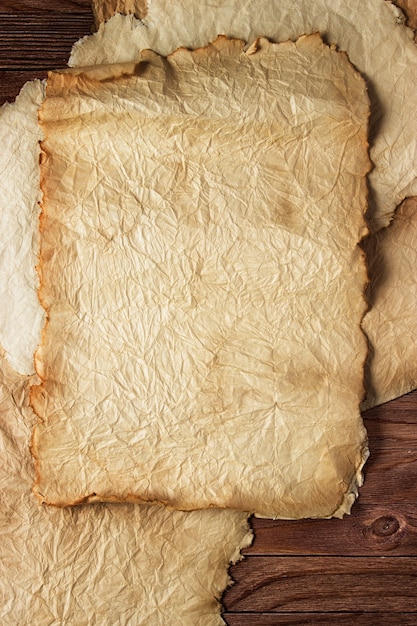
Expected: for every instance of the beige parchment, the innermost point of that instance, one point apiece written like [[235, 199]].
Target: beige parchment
[[104, 563], [25, 584], [381, 48], [202, 281]]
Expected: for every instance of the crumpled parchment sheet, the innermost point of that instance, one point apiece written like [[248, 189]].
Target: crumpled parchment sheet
[[121, 40], [371, 32], [21, 589], [107, 563], [94, 564], [391, 324], [367, 31], [202, 281]]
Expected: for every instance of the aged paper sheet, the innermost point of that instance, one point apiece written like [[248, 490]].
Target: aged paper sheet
[[372, 33], [367, 46], [122, 39], [204, 290], [94, 564], [380, 46], [22, 588]]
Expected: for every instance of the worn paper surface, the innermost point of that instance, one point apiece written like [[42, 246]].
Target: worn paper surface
[[202, 281], [372, 33], [391, 324], [381, 28], [105, 563], [380, 32]]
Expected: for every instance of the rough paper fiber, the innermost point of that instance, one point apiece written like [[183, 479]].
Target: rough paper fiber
[[128, 564], [202, 281], [371, 32]]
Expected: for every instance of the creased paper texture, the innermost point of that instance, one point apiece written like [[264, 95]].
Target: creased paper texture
[[103, 564], [371, 32], [391, 324], [202, 281], [380, 27]]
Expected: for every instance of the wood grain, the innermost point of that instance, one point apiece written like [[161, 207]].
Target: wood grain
[[40, 41], [31, 7], [378, 530], [12, 82], [324, 584], [359, 571], [316, 619], [37, 36]]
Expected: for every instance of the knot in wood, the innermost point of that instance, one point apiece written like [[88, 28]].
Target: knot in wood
[[385, 526]]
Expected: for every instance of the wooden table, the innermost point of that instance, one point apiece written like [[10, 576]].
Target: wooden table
[[359, 570]]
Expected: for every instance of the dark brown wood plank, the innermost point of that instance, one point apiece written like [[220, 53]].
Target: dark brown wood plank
[[12, 82], [36, 37], [40, 41], [343, 619], [388, 433], [45, 6], [370, 530], [391, 471], [401, 410], [323, 584], [391, 477]]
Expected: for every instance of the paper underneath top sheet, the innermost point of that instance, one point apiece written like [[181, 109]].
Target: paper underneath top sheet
[[372, 33], [21, 318], [105, 9], [391, 324], [202, 281]]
